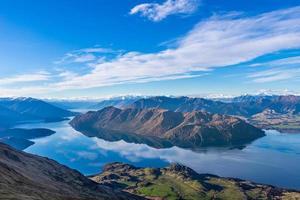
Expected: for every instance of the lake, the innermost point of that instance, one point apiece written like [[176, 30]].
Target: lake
[[273, 159]]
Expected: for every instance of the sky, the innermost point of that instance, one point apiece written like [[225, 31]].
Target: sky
[[103, 48]]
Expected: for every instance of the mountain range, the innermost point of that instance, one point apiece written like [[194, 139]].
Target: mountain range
[[268, 112], [18, 110], [168, 128], [14, 111], [244, 105]]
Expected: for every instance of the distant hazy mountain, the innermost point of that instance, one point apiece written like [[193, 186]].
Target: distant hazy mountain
[[265, 111], [280, 104], [244, 105], [26, 176], [186, 104], [9, 117], [118, 102], [73, 104], [14, 111], [17, 110], [151, 126], [251, 98]]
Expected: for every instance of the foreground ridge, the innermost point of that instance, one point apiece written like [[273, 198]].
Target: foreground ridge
[[180, 182], [25, 176]]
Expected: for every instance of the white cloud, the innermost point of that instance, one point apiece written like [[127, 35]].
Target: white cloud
[[219, 41], [272, 75], [278, 70], [84, 58], [25, 78], [83, 55], [97, 50], [290, 61], [67, 75], [216, 42], [157, 12], [87, 155], [276, 92], [23, 91]]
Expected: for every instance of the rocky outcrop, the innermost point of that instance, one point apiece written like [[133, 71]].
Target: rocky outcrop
[[180, 182]]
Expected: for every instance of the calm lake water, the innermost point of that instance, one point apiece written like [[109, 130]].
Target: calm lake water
[[274, 159]]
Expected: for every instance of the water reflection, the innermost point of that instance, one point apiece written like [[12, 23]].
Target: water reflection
[[273, 159]]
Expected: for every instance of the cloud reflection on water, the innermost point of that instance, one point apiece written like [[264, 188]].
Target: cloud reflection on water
[[260, 161]]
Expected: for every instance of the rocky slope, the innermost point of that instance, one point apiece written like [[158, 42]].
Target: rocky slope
[[28, 177], [180, 182], [159, 126]]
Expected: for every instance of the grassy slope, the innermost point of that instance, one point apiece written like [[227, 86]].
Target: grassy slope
[[182, 183]]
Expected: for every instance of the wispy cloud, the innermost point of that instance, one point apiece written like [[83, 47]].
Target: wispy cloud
[[216, 42], [83, 55], [274, 75], [290, 61], [25, 78], [24, 91], [277, 70], [157, 12], [219, 41]]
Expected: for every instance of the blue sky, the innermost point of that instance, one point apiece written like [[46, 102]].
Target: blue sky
[[89, 48]]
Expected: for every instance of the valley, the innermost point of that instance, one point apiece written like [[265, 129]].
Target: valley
[[149, 138], [149, 100]]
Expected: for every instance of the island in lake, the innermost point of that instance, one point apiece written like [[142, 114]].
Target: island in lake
[[20, 138], [164, 128]]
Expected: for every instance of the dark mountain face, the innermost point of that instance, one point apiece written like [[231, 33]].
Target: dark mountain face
[[9, 117], [34, 108], [14, 111], [18, 110], [189, 130], [180, 182], [20, 138], [27, 133], [24, 176], [16, 142]]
